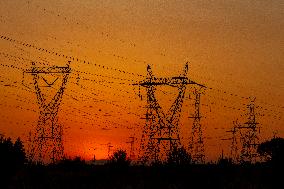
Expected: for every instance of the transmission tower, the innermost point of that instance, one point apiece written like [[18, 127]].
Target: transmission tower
[[234, 144], [47, 144], [196, 143], [247, 135], [161, 132]]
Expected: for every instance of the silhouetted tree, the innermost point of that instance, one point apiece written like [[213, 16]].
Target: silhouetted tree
[[19, 153], [273, 150], [6, 149], [119, 159], [179, 157], [12, 157]]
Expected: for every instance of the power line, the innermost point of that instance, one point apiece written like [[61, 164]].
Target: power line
[[111, 77], [75, 59]]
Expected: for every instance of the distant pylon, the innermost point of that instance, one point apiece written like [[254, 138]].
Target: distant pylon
[[249, 136], [161, 132], [245, 138], [234, 144], [47, 144], [131, 142], [196, 143], [109, 146]]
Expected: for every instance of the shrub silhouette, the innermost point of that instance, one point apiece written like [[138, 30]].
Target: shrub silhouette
[[225, 162], [69, 163], [179, 157], [273, 150], [119, 159]]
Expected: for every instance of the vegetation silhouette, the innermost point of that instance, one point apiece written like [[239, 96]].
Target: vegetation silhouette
[[12, 154], [273, 151], [179, 157], [178, 171], [76, 163], [119, 159], [12, 157], [225, 162]]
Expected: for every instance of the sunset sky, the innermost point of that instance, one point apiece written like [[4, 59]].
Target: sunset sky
[[235, 48]]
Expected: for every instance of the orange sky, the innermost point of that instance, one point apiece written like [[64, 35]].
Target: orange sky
[[234, 47]]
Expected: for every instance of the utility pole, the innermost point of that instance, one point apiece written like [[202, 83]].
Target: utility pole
[[161, 132], [47, 144], [131, 142], [109, 146]]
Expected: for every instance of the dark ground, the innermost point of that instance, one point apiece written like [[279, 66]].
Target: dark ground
[[134, 177]]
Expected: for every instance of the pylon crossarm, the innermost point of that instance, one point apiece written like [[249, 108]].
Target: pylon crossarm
[[49, 70], [251, 123], [168, 138], [173, 82]]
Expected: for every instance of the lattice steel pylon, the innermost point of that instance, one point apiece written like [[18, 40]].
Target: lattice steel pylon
[[245, 138], [196, 142], [249, 136], [47, 144], [234, 144], [161, 132]]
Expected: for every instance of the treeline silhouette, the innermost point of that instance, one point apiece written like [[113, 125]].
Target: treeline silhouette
[[273, 151], [178, 171]]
